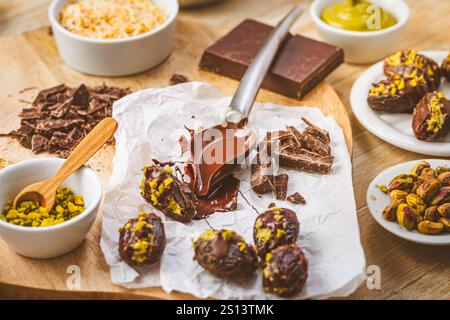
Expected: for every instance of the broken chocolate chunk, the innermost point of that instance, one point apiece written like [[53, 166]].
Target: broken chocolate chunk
[[39, 143], [281, 185], [63, 116], [316, 131], [296, 198], [314, 144], [177, 79], [306, 161]]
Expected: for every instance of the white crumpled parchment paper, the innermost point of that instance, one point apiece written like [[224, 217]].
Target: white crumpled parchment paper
[[150, 123]]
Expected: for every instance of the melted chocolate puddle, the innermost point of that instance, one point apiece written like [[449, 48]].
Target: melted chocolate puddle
[[215, 154]]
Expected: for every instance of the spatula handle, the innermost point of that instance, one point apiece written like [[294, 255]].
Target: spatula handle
[[245, 95], [95, 139]]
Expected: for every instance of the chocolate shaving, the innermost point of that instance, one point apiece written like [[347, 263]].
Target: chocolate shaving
[[60, 117], [296, 198]]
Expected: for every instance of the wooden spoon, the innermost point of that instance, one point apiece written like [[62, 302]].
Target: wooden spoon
[[45, 191]]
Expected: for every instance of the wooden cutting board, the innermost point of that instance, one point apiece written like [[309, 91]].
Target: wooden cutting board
[[30, 61]]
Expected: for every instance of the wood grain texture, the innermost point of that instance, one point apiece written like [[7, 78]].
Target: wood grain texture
[[408, 270]]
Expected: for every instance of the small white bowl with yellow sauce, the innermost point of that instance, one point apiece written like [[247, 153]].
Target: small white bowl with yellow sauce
[[363, 46], [102, 49]]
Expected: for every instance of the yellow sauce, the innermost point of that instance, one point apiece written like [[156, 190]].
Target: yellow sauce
[[358, 15]]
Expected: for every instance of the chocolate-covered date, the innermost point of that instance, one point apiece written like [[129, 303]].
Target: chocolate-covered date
[[275, 227], [431, 119], [409, 63], [167, 193], [225, 254], [397, 93], [285, 270], [142, 240]]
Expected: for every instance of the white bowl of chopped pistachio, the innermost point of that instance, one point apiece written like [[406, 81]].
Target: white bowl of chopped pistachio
[[113, 37], [31, 230]]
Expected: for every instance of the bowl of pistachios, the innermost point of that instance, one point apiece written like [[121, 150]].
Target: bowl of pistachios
[[412, 201], [30, 229]]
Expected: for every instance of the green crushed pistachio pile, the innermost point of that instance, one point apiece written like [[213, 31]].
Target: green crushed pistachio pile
[[30, 214]]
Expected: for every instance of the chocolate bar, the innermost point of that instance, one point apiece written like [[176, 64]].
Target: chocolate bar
[[300, 64]]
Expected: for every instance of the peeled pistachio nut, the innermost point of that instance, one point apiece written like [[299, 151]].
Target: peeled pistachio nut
[[428, 227], [444, 210], [428, 190], [446, 222], [418, 168], [398, 194], [427, 175], [442, 196], [403, 182], [444, 179], [440, 170], [416, 203], [432, 214], [405, 216], [390, 212]]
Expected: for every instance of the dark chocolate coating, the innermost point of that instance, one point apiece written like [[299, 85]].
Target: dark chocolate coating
[[422, 114], [285, 270], [275, 227], [176, 199], [409, 62], [225, 254], [142, 240], [445, 69], [403, 101]]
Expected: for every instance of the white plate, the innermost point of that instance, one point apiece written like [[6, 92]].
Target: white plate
[[377, 201], [395, 128]]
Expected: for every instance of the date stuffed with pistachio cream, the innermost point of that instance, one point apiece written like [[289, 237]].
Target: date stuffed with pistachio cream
[[285, 270], [167, 193], [397, 93], [225, 254], [356, 15], [142, 240], [111, 19], [446, 68], [431, 119], [273, 228], [409, 63], [420, 199], [29, 214]]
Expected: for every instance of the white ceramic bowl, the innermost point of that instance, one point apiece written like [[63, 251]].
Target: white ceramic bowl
[[363, 47], [115, 57], [377, 201], [52, 241]]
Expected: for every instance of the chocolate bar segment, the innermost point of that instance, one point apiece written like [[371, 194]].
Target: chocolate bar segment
[[300, 64]]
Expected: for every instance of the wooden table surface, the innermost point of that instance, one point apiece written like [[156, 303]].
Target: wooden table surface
[[408, 270]]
